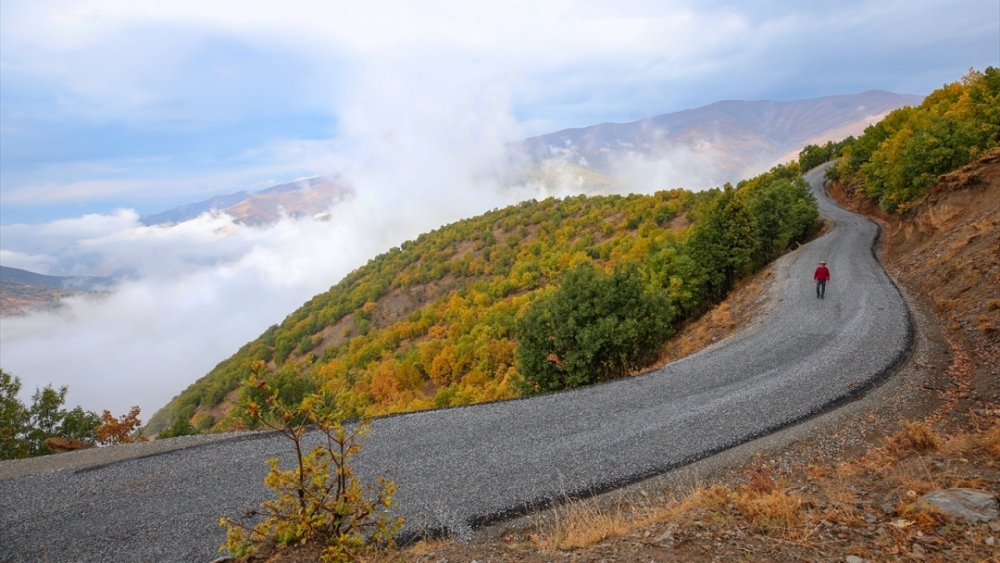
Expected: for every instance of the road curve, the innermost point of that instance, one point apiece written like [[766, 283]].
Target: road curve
[[459, 467]]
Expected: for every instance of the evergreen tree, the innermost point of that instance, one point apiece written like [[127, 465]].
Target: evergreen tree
[[592, 328]]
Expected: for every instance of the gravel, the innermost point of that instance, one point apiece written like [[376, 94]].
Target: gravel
[[459, 468]]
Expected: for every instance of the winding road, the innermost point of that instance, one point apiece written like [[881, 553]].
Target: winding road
[[460, 467]]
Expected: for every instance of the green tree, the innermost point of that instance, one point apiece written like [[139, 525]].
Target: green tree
[[23, 430], [14, 417], [812, 156], [725, 242], [80, 425], [592, 328], [182, 427], [47, 415]]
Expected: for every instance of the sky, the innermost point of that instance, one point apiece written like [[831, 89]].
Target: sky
[[114, 109]]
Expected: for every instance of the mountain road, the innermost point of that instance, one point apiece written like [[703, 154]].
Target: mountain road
[[458, 468]]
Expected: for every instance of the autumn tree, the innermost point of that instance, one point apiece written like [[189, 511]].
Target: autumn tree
[[897, 159], [118, 430]]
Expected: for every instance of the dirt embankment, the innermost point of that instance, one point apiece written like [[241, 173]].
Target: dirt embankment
[[945, 251]]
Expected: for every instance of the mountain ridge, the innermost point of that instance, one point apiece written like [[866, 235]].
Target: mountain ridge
[[301, 198], [740, 137]]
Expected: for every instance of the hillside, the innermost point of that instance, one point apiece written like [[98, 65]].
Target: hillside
[[737, 139], [18, 298], [21, 290], [435, 322]]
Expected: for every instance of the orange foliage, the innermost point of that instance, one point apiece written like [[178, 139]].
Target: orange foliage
[[118, 431]]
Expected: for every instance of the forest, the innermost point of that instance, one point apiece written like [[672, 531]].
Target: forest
[[536, 297], [897, 160]]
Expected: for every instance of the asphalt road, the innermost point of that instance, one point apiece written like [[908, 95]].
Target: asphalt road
[[460, 467]]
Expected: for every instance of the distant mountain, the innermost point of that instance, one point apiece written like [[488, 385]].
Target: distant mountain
[[302, 198], [83, 283], [21, 290], [724, 141]]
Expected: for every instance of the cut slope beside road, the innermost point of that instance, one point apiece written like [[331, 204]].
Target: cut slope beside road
[[458, 467]]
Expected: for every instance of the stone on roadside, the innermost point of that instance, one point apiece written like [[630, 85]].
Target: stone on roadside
[[970, 505], [63, 445]]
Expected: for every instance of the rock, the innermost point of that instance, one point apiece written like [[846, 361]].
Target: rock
[[264, 550], [970, 505], [63, 445], [854, 559]]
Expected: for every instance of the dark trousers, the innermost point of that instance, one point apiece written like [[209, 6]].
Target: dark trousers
[[820, 288]]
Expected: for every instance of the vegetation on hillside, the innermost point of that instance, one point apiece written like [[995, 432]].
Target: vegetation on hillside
[[897, 159], [435, 322]]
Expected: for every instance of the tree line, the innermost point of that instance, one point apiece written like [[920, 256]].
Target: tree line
[[898, 159], [24, 429]]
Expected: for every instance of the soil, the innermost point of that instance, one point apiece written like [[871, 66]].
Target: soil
[[842, 486]]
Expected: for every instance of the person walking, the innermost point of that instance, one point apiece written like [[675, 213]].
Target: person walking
[[821, 276]]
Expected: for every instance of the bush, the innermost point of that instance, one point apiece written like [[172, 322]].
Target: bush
[[182, 427], [592, 328], [321, 500]]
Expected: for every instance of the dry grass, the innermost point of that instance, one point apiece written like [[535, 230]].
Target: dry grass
[[792, 509], [588, 522], [915, 437]]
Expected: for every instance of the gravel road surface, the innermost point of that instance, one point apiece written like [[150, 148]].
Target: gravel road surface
[[460, 467]]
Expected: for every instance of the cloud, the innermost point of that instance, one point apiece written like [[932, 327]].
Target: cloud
[[669, 168]]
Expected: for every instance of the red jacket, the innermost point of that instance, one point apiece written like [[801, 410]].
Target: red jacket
[[822, 274]]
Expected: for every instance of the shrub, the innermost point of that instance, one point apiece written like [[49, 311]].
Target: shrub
[[592, 328], [321, 500]]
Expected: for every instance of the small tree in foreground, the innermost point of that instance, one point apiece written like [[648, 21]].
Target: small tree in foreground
[[321, 500]]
